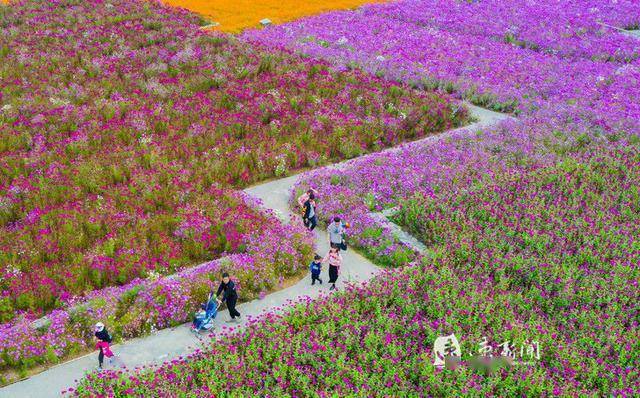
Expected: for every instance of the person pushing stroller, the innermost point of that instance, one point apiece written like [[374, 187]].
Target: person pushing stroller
[[230, 296]]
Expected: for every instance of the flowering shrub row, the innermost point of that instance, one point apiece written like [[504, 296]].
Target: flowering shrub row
[[58, 252], [119, 118], [532, 232], [531, 228], [274, 254], [458, 289], [487, 71], [566, 28]]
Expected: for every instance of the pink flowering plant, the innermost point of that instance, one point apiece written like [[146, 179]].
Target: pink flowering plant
[[143, 305], [531, 226], [531, 234], [531, 231], [574, 29], [118, 146]]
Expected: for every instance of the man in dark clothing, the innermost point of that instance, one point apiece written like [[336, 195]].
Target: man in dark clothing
[[102, 334], [301, 202], [230, 296]]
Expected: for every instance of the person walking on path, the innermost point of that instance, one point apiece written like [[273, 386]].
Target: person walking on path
[[230, 296], [310, 217], [336, 232], [316, 267], [104, 339], [334, 258], [105, 350], [302, 200]]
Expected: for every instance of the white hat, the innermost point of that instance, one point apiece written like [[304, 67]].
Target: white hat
[[99, 326]]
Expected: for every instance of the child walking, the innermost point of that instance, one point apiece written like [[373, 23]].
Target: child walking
[[334, 258], [305, 196], [316, 267]]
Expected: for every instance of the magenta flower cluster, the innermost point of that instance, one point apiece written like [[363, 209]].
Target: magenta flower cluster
[[576, 29], [123, 127], [122, 124], [531, 228], [273, 254], [531, 225]]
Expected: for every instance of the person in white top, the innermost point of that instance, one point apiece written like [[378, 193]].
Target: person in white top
[[335, 232]]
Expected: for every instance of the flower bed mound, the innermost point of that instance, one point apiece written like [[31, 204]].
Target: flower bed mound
[[122, 124], [575, 29], [274, 254], [542, 208], [486, 70], [63, 251], [541, 252], [234, 16]]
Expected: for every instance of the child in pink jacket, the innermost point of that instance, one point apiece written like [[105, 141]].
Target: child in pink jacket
[[334, 258], [105, 349]]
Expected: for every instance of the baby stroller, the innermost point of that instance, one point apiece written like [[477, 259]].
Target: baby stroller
[[203, 320]]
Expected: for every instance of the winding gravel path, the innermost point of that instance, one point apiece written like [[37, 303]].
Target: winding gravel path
[[170, 343]]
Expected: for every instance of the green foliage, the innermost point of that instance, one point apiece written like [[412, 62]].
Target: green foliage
[[266, 65], [6, 309]]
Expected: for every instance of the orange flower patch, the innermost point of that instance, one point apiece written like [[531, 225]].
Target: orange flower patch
[[234, 16]]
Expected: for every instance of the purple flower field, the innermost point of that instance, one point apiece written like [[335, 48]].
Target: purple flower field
[[125, 130], [156, 302], [529, 242], [487, 71], [576, 29], [531, 226]]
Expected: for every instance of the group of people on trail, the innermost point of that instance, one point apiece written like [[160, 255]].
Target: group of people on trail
[[104, 339], [335, 233]]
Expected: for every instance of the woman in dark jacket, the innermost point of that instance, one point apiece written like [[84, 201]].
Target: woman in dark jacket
[[310, 216], [230, 296]]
